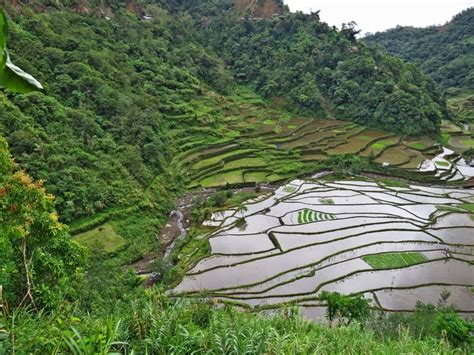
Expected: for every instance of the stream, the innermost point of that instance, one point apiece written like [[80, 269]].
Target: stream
[[179, 223]]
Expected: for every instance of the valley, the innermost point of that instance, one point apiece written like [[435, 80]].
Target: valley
[[230, 177]]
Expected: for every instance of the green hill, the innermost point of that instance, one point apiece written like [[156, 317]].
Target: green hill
[[444, 52]]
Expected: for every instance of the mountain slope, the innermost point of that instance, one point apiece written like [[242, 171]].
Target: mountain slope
[[310, 68], [125, 94], [445, 52]]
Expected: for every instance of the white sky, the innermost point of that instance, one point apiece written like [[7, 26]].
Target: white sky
[[379, 15]]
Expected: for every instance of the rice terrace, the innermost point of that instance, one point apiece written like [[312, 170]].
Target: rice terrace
[[262, 145], [395, 245], [235, 177]]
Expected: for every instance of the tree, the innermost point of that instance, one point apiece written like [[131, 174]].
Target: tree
[[345, 308], [40, 262], [349, 30]]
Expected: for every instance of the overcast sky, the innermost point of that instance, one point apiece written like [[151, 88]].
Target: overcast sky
[[379, 15]]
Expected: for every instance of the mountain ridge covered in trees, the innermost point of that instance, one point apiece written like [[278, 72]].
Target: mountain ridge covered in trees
[[115, 87], [444, 52]]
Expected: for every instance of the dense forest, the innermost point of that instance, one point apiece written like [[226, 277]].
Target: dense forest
[[307, 67], [120, 79], [98, 133], [445, 52]]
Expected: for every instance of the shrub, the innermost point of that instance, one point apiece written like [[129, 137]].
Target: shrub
[[456, 329]]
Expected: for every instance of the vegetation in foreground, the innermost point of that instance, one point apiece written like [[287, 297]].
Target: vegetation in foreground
[[151, 323]]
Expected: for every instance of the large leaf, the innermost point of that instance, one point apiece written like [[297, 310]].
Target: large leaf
[[15, 79], [3, 39], [3, 31], [3, 58], [12, 77]]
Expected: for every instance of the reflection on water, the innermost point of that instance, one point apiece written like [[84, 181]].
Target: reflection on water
[[311, 236]]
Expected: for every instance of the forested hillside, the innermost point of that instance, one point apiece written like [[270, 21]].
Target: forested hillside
[[114, 86], [445, 52], [307, 67]]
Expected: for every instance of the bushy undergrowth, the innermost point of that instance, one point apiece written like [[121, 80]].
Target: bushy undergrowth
[[153, 323]]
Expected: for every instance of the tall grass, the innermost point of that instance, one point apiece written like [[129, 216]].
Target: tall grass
[[157, 325]]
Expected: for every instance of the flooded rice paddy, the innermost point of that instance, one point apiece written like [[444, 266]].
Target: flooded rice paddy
[[353, 237]]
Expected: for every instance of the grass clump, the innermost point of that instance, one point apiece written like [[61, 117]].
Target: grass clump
[[326, 201], [468, 142], [468, 207], [462, 208], [289, 189], [240, 197], [394, 260], [444, 138], [418, 146]]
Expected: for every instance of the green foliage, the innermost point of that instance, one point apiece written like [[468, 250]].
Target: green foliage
[[326, 201], [99, 135], [153, 323], [461, 103], [124, 96], [444, 139], [345, 308], [240, 197], [456, 329], [40, 263], [103, 237], [218, 199], [445, 52], [394, 260], [12, 77], [347, 164], [393, 182], [310, 68], [428, 321], [241, 224]]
